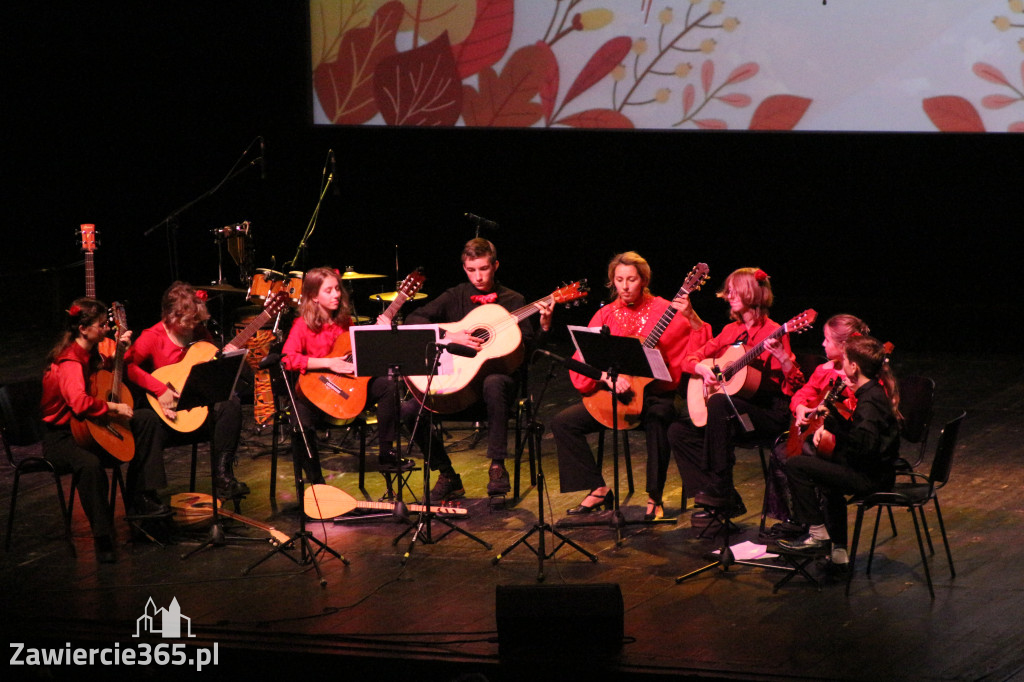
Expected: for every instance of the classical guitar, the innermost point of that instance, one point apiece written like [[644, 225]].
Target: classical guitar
[[322, 501], [339, 395], [737, 377], [501, 351], [195, 508], [631, 401], [174, 376], [87, 236], [798, 435], [110, 433]]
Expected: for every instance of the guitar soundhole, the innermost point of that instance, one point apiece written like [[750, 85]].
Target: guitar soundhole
[[481, 334]]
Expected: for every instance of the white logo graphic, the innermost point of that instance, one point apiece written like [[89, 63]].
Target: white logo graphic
[[165, 622]]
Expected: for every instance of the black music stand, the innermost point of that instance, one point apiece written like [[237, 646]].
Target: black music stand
[[424, 532], [307, 555], [209, 383], [617, 355], [534, 434], [394, 352]]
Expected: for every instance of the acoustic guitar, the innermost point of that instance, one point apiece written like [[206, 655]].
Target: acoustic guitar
[[798, 435], [737, 377], [109, 433], [501, 351], [191, 509], [340, 395], [631, 401], [321, 501], [87, 236], [174, 376]]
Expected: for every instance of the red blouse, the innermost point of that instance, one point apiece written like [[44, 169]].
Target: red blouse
[[303, 343]]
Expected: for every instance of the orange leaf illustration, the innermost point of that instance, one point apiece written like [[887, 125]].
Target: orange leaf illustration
[[953, 114], [779, 112], [550, 82], [735, 100], [420, 87], [707, 75], [990, 73], [596, 118], [488, 40], [508, 100], [711, 123], [742, 73], [998, 101], [689, 98], [607, 57], [345, 86]]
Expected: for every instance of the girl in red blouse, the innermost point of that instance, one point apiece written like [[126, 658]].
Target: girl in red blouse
[[166, 343], [65, 397], [324, 315], [706, 454]]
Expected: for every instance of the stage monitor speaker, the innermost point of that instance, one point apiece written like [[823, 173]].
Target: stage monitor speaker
[[559, 621]]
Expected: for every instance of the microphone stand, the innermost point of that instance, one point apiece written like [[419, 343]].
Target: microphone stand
[[534, 434], [424, 532], [300, 251], [171, 220]]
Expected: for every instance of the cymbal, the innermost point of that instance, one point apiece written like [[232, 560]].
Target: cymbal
[[352, 274], [223, 287], [392, 295], [361, 319]]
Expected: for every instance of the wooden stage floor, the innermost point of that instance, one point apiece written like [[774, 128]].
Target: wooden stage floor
[[433, 617]]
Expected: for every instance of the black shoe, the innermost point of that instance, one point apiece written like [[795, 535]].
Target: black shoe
[[448, 486], [149, 504], [805, 545], [229, 489], [605, 501], [499, 483], [105, 553], [389, 459]]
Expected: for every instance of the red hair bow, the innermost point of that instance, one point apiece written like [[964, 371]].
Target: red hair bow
[[760, 275], [202, 295], [74, 311]]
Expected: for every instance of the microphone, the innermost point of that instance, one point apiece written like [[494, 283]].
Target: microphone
[[263, 159], [575, 365], [482, 222], [459, 349], [334, 175], [270, 360]]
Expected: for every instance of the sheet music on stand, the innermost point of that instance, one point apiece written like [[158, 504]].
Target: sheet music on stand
[[625, 353], [378, 348], [212, 381]]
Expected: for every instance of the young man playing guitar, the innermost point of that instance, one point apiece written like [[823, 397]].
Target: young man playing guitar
[[166, 343], [498, 390], [66, 399], [705, 451], [634, 312]]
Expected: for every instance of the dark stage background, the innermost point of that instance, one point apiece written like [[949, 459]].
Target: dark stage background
[[121, 114]]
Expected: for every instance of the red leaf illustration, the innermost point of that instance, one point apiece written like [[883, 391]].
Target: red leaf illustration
[[345, 86], [707, 75], [1017, 127], [779, 112], [735, 99], [689, 97], [488, 40], [508, 100], [596, 118], [607, 57], [952, 114], [742, 73], [997, 101], [550, 80], [420, 87], [989, 73], [711, 123]]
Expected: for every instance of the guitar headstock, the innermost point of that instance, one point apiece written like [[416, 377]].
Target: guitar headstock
[[412, 283], [802, 322], [696, 279], [87, 238], [571, 292], [276, 302], [119, 319]]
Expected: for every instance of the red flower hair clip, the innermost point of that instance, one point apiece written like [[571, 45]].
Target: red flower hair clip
[[761, 275], [75, 310], [202, 295]]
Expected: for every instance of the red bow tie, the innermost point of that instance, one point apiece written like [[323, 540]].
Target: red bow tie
[[484, 298]]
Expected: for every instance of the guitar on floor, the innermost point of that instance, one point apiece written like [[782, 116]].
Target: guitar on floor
[[501, 351], [322, 501], [340, 395], [110, 433], [739, 378], [174, 376], [191, 509], [631, 401]]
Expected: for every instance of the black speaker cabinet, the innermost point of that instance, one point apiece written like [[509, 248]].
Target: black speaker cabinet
[[559, 621]]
